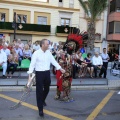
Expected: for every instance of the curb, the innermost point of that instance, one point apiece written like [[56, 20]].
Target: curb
[[21, 88]]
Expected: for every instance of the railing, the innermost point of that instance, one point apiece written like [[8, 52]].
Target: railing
[[64, 29], [25, 27]]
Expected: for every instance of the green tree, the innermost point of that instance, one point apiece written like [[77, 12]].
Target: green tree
[[93, 8]]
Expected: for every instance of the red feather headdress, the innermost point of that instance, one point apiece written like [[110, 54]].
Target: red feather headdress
[[76, 37]]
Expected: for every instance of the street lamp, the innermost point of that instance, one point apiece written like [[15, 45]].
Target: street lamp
[[14, 24]]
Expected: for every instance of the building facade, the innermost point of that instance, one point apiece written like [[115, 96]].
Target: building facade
[[37, 19], [50, 19], [113, 32]]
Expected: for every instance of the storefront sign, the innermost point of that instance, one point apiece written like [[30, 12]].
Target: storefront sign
[[115, 71]]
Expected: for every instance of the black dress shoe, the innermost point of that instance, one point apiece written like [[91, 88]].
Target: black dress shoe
[[100, 76], [4, 77], [41, 114], [44, 104]]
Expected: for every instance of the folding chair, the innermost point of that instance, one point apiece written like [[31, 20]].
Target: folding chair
[[24, 64], [84, 55]]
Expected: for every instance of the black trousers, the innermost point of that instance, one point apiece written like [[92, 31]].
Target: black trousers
[[105, 64], [102, 70], [43, 82], [13, 69]]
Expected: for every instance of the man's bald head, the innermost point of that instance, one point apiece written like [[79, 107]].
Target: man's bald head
[[96, 54]]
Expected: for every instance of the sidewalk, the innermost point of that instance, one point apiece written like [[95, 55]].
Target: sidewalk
[[17, 83]]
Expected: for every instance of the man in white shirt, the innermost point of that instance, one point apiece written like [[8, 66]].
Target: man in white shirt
[[6, 50], [36, 46], [3, 62], [105, 58], [98, 64], [41, 61]]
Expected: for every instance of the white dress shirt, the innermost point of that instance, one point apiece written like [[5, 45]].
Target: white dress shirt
[[7, 51], [41, 61], [105, 57], [97, 60], [36, 47], [3, 57]]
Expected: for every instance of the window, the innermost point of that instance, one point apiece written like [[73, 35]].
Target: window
[[71, 4], [65, 21], [112, 5], [21, 18], [117, 27], [2, 17], [115, 6], [111, 27], [60, 1], [42, 20]]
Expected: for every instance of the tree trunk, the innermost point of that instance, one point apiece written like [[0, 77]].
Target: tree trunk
[[91, 37]]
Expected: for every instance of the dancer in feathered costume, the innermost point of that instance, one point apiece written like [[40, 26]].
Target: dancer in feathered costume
[[73, 43]]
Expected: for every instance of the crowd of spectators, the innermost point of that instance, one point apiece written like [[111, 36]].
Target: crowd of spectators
[[12, 54]]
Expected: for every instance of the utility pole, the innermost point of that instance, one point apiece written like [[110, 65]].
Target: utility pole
[[14, 25]]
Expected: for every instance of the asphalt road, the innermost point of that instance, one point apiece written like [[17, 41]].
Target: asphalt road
[[88, 105]]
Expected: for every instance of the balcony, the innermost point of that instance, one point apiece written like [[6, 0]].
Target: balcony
[[6, 27], [115, 16], [113, 37], [63, 30]]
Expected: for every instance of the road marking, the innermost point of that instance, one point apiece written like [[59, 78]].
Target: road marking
[[96, 111], [61, 117]]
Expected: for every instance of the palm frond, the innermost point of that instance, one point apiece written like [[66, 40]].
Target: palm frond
[[83, 6], [98, 6], [94, 7]]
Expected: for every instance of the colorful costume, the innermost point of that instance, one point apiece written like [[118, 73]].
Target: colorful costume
[[72, 44], [64, 80]]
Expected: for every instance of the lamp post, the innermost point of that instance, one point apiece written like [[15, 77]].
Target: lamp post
[[14, 25]]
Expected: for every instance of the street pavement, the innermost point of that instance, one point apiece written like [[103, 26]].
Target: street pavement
[[88, 105]]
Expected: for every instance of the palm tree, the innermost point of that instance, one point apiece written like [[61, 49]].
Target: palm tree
[[93, 8]]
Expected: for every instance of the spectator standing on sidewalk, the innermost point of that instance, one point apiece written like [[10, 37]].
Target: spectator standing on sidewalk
[[105, 58]]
